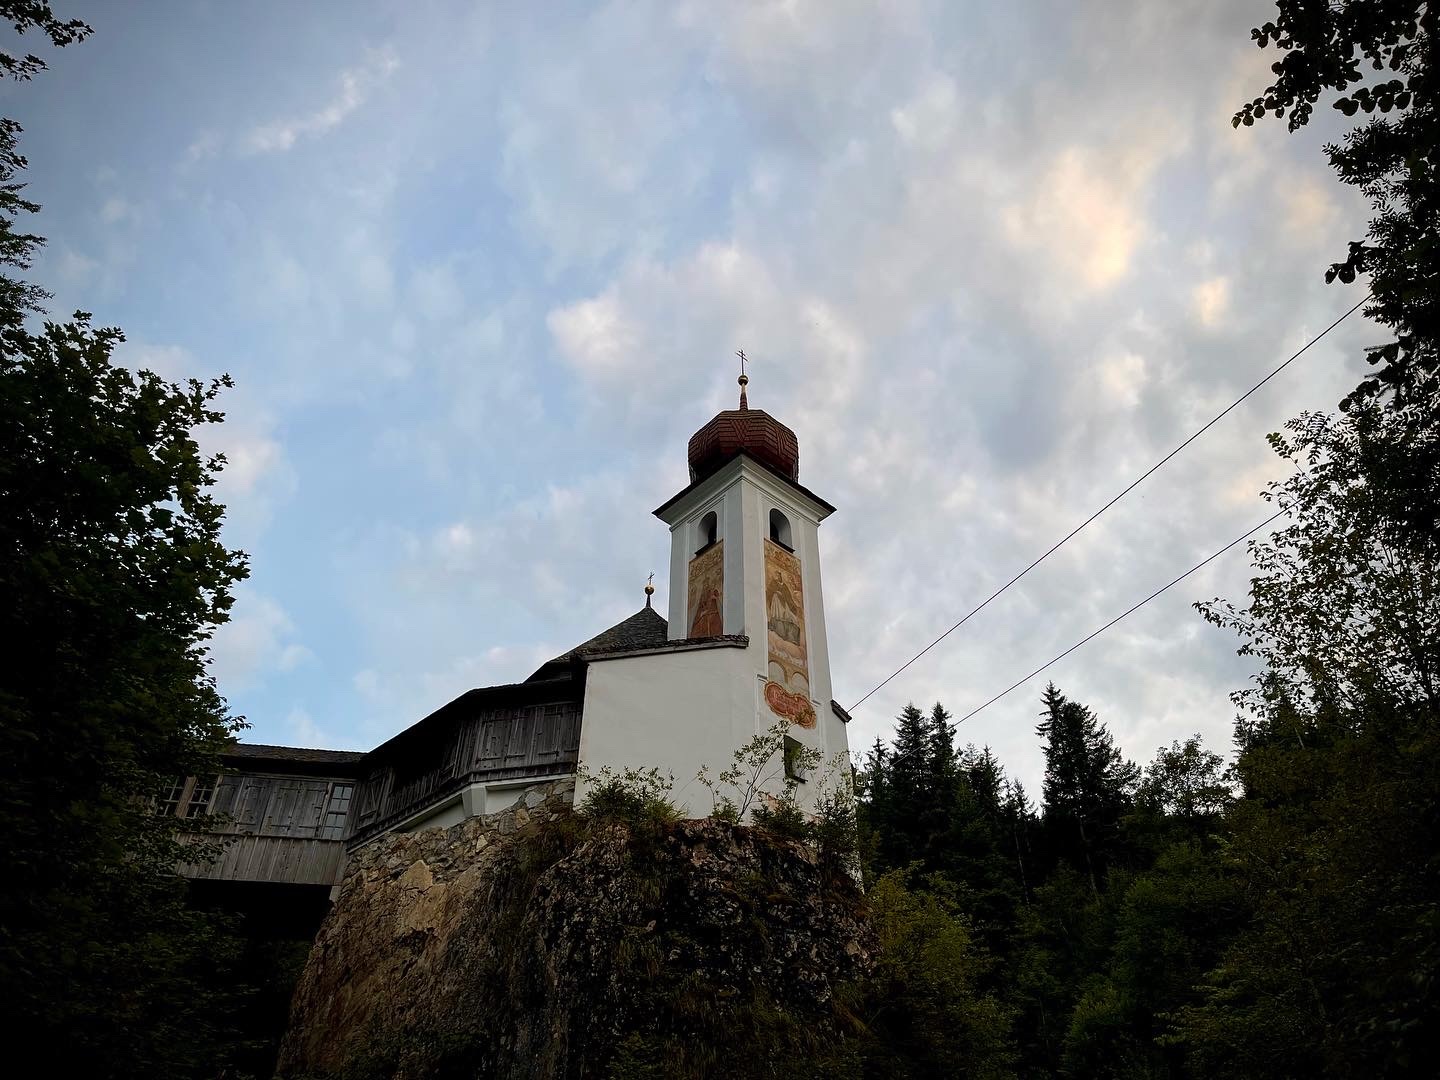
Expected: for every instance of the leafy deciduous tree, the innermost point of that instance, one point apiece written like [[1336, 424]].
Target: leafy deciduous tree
[[1333, 844], [1376, 57]]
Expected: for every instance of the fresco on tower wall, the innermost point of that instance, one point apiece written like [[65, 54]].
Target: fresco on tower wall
[[706, 591], [787, 688]]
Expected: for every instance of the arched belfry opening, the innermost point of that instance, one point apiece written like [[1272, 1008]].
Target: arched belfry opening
[[707, 532], [780, 530]]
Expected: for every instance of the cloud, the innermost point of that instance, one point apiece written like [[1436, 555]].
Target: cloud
[[115, 210], [204, 146], [989, 264], [595, 336], [75, 268], [355, 86], [928, 120], [1087, 212], [981, 332], [257, 643], [1211, 300], [258, 475], [302, 729], [1124, 377], [174, 363]]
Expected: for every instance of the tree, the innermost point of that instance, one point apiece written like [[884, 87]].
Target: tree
[[114, 577], [913, 789], [1333, 845], [926, 1009], [1088, 784], [1018, 815], [1181, 798], [1167, 928], [17, 297], [1165, 921], [1187, 782], [1375, 56]]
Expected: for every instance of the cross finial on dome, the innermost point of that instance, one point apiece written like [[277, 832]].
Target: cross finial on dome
[[649, 588], [744, 379]]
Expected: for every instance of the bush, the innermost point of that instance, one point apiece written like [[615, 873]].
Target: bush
[[783, 818], [633, 796]]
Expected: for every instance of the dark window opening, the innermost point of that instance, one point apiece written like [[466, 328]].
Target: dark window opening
[[708, 531], [336, 811], [200, 798], [794, 765], [780, 530], [170, 804]]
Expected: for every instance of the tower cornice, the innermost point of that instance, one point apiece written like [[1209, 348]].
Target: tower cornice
[[742, 464]]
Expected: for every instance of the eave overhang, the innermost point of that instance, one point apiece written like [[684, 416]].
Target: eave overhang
[[726, 473]]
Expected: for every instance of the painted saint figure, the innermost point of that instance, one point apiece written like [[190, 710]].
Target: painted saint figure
[[707, 592], [707, 621], [787, 690]]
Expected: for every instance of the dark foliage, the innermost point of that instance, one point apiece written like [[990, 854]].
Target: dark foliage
[[113, 577], [1279, 918], [1376, 57]]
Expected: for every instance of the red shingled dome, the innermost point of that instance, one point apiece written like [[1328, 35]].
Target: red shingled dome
[[744, 430]]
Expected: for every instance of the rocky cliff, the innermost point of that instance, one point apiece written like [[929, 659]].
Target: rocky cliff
[[539, 943]]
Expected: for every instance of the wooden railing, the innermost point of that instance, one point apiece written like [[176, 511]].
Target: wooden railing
[[493, 744]]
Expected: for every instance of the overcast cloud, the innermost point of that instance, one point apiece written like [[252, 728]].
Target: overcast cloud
[[479, 273]]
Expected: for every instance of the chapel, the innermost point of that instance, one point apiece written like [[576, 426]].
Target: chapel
[[741, 648]]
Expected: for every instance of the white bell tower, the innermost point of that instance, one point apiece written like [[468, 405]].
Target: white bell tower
[[745, 646], [745, 560]]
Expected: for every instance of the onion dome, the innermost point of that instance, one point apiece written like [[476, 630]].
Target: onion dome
[[744, 431]]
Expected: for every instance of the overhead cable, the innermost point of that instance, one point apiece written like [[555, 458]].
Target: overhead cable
[[1132, 486], [1129, 611]]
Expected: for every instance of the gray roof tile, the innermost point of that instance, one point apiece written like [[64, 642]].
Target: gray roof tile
[[646, 629]]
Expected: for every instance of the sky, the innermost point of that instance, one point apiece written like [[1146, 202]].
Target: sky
[[479, 271]]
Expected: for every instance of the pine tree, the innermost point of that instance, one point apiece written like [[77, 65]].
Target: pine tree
[[1018, 813], [1088, 784], [900, 832]]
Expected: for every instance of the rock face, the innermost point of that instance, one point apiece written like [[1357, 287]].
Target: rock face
[[535, 943]]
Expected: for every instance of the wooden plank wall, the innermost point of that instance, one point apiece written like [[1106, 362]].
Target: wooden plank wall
[[496, 743], [248, 857], [275, 831], [275, 825], [273, 805]]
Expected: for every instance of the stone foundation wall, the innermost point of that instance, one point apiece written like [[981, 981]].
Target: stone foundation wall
[[398, 908], [534, 943]]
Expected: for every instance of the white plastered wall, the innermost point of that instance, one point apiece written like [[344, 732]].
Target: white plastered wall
[[678, 711], [674, 711]]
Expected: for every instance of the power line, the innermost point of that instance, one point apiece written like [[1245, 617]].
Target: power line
[[1133, 485], [1112, 622], [1107, 626]]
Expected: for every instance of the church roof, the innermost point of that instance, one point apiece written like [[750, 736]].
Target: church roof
[[267, 752], [744, 431], [290, 760], [646, 629], [824, 506]]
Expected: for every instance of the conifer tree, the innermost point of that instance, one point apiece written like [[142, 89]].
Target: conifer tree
[[899, 833], [1088, 784], [1018, 813]]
